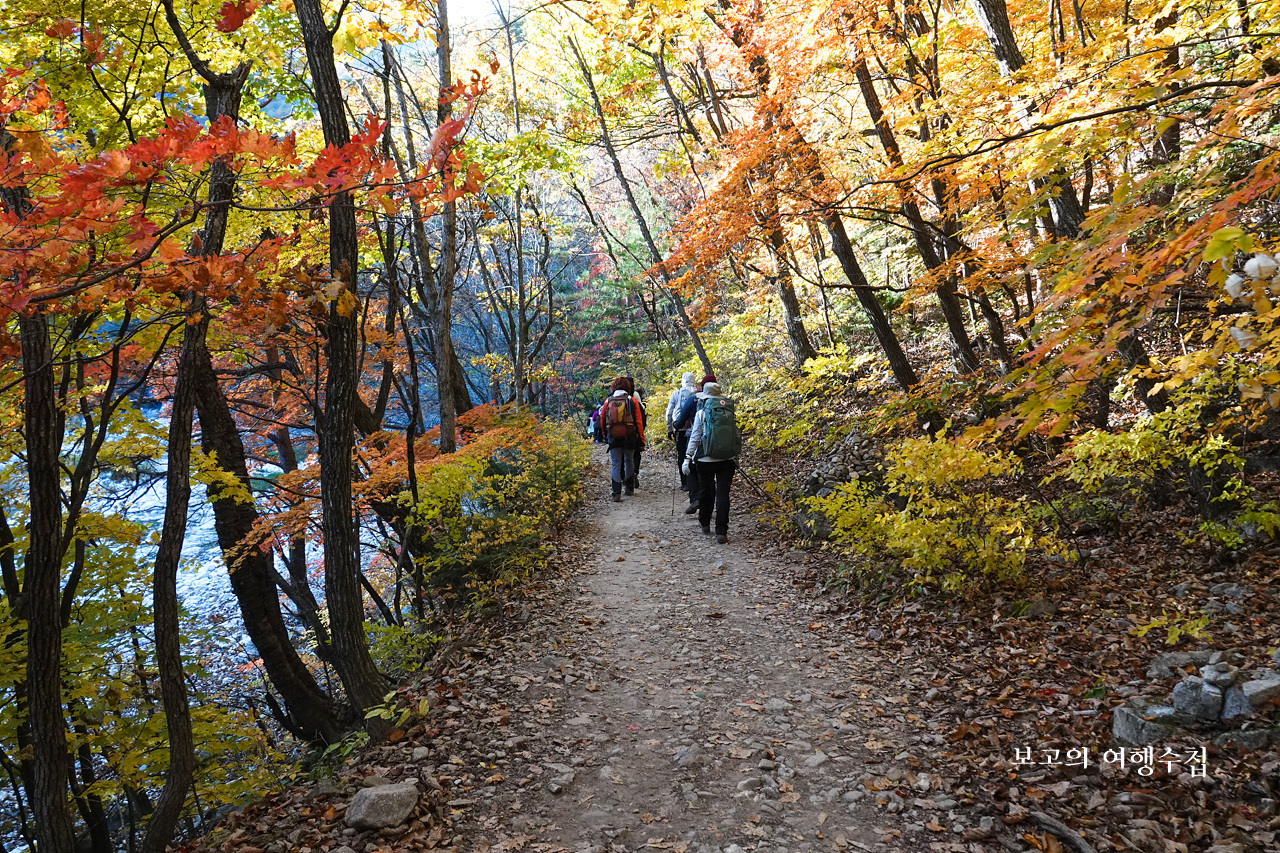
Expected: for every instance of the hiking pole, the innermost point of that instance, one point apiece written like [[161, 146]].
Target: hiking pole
[[759, 489], [675, 483]]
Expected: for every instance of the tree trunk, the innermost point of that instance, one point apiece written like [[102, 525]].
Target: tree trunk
[[993, 17], [946, 289], [364, 684], [42, 584], [792, 317], [842, 248], [164, 595], [222, 98], [251, 571], [1135, 354], [443, 326]]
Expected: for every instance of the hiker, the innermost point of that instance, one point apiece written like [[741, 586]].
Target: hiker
[[644, 416], [675, 405], [624, 428], [685, 421], [597, 430], [714, 445]]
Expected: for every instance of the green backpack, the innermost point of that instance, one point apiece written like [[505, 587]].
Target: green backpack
[[720, 436]]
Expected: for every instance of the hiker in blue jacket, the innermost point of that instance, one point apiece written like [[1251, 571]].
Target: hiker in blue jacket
[[680, 433], [714, 445], [684, 420]]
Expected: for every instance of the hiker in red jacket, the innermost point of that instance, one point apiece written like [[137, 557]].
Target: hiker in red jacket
[[624, 430]]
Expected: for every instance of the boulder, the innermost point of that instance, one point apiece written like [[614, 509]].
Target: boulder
[[382, 806], [813, 525], [1262, 690], [1195, 698], [1235, 706], [1255, 739], [1221, 674], [1164, 665], [1139, 723]]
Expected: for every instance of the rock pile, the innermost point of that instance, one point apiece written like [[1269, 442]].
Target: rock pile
[[1222, 694], [855, 458]]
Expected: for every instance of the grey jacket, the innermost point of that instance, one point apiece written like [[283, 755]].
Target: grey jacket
[[677, 400]]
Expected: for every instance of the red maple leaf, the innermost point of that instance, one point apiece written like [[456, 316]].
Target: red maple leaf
[[232, 16]]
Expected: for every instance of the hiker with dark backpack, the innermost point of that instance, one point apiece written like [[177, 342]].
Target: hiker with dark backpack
[[675, 406], [684, 421], [623, 424], [714, 446]]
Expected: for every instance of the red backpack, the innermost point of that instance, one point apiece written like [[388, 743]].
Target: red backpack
[[620, 418]]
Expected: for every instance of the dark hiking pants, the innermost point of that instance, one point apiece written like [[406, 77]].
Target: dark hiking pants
[[682, 447], [714, 479]]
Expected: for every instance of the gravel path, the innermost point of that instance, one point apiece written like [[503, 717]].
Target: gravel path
[[675, 694]]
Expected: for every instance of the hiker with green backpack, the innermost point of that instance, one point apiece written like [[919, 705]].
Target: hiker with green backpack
[[714, 446]]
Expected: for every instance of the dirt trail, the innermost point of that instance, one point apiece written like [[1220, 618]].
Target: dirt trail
[[679, 694]]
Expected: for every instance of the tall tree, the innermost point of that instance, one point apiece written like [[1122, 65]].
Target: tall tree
[[364, 684], [448, 272], [611, 151], [920, 232], [42, 585], [222, 102]]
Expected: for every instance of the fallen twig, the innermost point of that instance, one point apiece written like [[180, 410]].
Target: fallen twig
[[1064, 832]]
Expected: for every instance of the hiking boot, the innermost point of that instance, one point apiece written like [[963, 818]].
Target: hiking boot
[[617, 499], [721, 538], [690, 509], [706, 528], [629, 491]]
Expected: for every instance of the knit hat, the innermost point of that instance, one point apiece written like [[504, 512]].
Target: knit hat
[[710, 377], [712, 389]]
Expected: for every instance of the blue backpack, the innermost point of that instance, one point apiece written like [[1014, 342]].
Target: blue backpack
[[684, 420]]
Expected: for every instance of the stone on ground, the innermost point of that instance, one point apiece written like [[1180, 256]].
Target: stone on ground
[[382, 806]]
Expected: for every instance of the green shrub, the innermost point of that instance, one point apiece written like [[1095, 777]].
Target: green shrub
[[400, 650]]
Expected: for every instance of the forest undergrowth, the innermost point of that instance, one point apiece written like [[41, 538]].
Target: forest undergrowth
[[1023, 587]]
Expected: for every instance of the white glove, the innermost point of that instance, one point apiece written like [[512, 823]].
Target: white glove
[[684, 469]]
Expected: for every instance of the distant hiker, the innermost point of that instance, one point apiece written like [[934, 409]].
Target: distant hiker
[[679, 431], [714, 445], [597, 429], [685, 421], [644, 416], [624, 428]]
